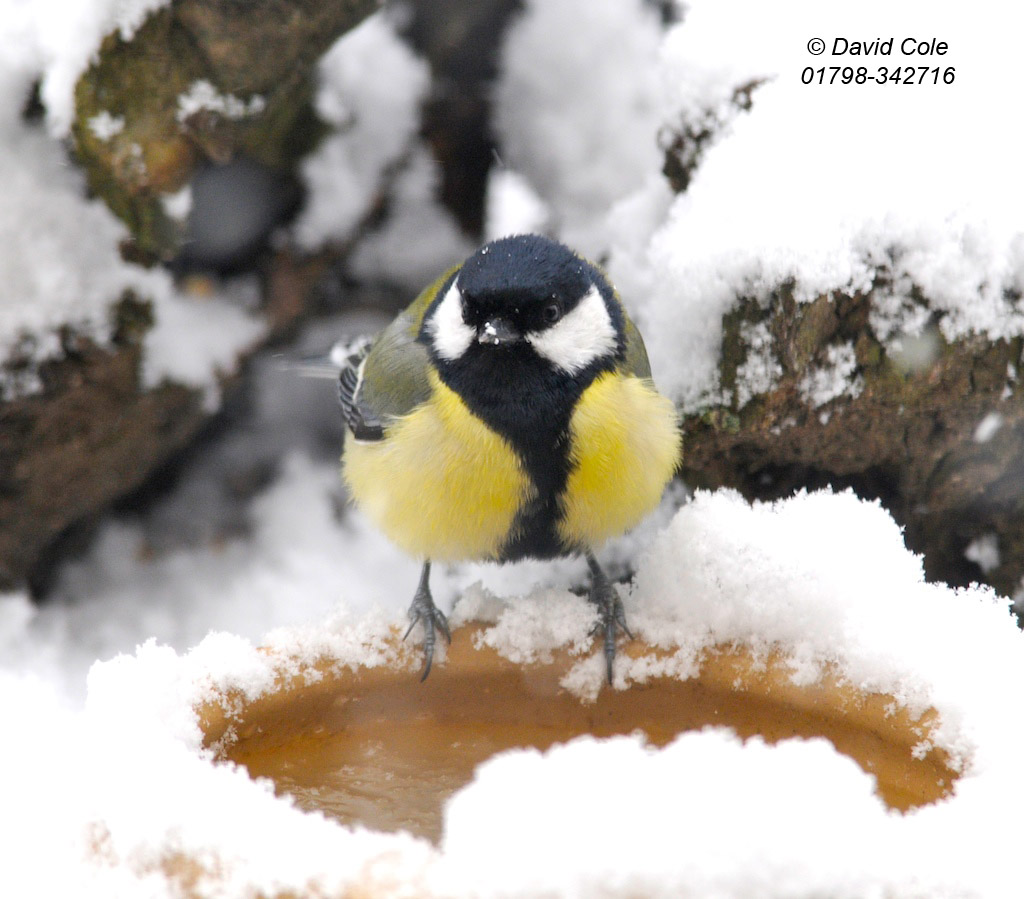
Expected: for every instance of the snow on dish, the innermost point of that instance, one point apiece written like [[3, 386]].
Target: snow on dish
[[800, 818], [684, 836]]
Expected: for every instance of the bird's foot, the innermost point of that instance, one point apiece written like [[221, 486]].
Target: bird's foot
[[422, 609], [611, 616]]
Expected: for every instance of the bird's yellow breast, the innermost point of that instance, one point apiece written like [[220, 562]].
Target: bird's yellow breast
[[624, 448], [442, 485]]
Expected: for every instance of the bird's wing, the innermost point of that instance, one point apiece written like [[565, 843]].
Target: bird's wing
[[361, 419], [389, 377], [635, 361]]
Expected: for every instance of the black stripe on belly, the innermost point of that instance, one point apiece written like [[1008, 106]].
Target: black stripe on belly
[[530, 404]]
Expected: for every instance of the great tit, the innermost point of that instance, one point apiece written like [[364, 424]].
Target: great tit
[[508, 413]]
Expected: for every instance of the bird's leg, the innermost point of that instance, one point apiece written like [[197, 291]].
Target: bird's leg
[[611, 615], [423, 609]]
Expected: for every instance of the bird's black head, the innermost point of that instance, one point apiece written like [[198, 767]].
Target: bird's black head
[[526, 300]]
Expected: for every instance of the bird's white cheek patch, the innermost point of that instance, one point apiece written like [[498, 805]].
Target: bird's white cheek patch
[[583, 335], [450, 334]]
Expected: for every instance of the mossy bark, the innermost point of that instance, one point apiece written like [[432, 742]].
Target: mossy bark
[[91, 435], [94, 433], [261, 53], [907, 434]]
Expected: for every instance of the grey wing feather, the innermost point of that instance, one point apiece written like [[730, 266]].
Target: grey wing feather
[[360, 418], [384, 380]]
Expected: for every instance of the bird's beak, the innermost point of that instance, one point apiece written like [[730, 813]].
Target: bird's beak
[[498, 331]]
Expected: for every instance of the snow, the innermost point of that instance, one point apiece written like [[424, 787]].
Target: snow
[[882, 623], [984, 551], [57, 40], [988, 427], [914, 353], [760, 370], [419, 240], [689, 841], [371, 87], [835, 379], [133, 799], [513, 206], [576, 109], [105, 126], [202, 96], [194, 339], [179, 204]]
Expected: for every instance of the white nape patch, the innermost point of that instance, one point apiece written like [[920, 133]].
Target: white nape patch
[[449, 331], [585, 333]]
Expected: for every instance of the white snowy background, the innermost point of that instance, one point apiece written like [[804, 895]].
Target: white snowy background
[[817, 184]]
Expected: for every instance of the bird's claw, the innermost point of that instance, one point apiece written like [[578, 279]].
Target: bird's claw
[[434, 620], [611, 619], [617, 618], [611, 616]]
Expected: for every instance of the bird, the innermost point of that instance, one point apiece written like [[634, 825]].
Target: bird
[[508, 413]]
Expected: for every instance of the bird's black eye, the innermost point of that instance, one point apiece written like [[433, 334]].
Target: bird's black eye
[[552, 312]]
